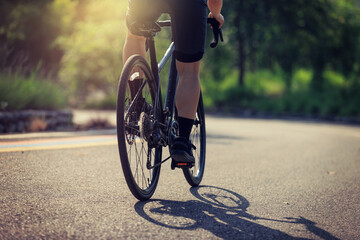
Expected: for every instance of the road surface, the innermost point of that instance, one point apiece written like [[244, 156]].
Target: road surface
[[264, 179]]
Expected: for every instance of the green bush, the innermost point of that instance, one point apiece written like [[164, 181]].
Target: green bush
[[108, 102], [92, 53], [19, 92], [264, 92]]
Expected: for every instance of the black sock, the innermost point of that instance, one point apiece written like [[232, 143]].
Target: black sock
[[185, 126], [134, 87]]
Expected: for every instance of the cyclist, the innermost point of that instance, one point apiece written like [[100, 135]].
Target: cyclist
[[188, 30]]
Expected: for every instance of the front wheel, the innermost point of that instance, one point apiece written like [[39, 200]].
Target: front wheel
[[135, 117], [195, 174]]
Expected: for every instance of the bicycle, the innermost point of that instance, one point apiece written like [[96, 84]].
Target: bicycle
[[145, 125]]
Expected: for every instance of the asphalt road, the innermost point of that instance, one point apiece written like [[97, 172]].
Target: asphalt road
[[264, 179]]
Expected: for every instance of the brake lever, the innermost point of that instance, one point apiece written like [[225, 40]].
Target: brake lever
[[216, 32]]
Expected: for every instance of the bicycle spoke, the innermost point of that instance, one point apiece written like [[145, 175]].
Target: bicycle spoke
[[141, 161], [136, 97], [137, 160], [141, 173]]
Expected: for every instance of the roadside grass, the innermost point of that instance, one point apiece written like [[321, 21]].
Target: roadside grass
[[19, 92], [107, 103], [265, 92]]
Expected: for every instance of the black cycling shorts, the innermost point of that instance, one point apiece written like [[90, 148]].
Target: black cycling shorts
[[188, 19]]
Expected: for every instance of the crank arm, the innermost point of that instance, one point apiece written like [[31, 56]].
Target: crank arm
[[148, 165]]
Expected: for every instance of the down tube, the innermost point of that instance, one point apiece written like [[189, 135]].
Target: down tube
[[170, 93]]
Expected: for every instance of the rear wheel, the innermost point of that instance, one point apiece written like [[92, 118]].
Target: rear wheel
[[195, 174], [135, 117]]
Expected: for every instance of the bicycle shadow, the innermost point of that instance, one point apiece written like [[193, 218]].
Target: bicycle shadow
[[219, 211]]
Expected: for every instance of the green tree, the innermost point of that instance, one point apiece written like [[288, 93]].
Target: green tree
[[92, 58], [315, 34], [27, 33]]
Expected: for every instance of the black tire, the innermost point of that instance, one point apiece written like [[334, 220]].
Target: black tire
[[135, 111], [195, 174]]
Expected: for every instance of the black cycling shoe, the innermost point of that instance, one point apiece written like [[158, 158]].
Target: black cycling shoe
[[181, 153]]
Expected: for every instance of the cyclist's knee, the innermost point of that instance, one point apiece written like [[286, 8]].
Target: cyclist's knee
[[188, 70]]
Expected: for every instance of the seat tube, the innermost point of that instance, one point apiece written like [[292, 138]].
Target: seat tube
[[171, 88], [155, 71], [153, 61]]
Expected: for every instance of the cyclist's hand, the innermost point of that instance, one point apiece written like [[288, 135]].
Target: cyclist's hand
[[219, 18]]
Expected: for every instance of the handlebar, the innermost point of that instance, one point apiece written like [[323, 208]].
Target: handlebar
[[216, 32], [214, 25]]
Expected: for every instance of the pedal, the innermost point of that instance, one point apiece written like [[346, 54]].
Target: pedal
[[180, 165]]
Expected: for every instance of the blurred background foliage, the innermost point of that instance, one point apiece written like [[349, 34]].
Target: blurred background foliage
[[299, 57]]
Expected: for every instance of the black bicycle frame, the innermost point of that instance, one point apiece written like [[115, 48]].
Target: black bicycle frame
[[172, 80], [173, 75]]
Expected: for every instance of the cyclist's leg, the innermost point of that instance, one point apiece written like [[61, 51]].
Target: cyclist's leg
[[140, 11], [134, 45], [189, 29], [186, 100], [189, 25], [187, 95]]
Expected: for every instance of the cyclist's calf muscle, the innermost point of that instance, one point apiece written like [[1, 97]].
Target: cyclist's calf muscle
[[134, 45]]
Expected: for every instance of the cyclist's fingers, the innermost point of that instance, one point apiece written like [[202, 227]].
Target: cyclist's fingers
[[219, 18]]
